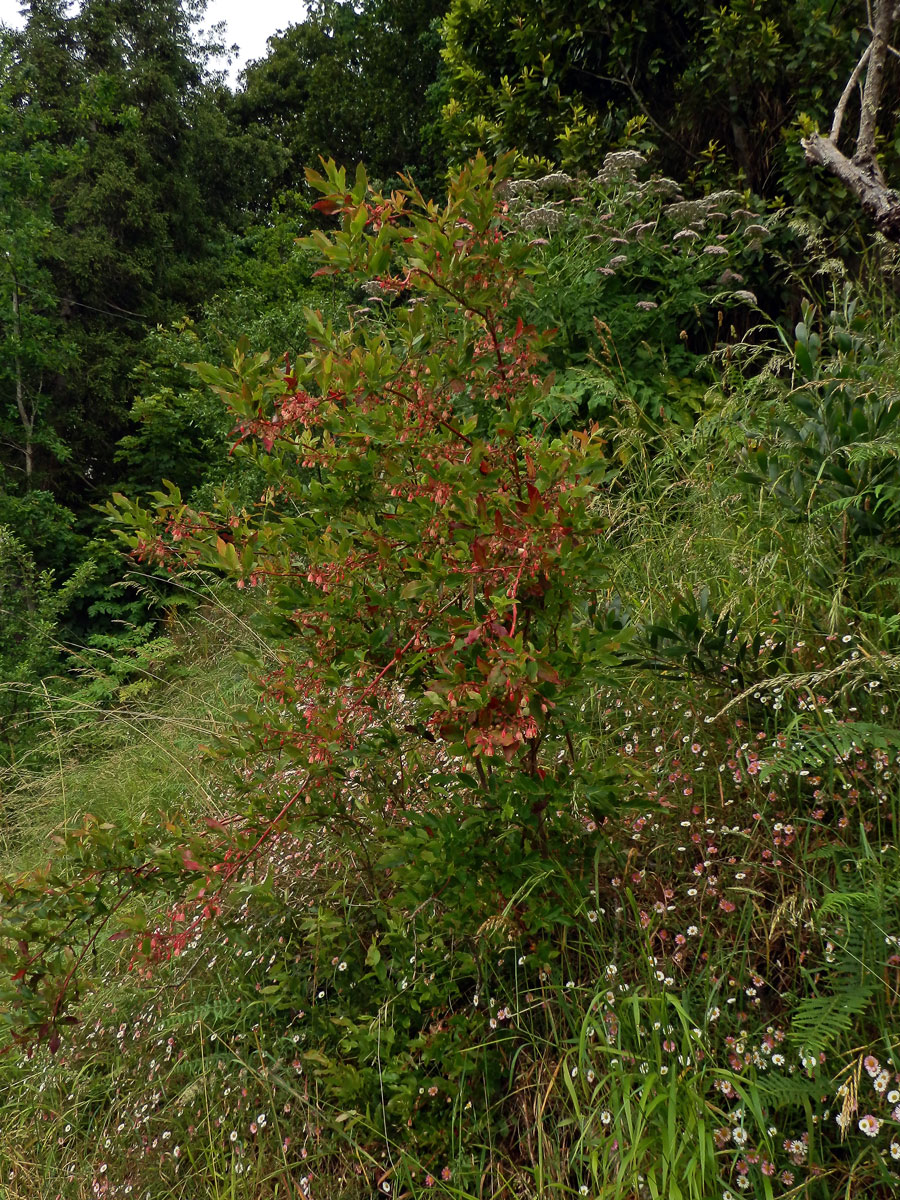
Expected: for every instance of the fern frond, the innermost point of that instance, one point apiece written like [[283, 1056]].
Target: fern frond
[[820, 1022]]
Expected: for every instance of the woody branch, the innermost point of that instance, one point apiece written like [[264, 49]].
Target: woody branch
[[862, 174]]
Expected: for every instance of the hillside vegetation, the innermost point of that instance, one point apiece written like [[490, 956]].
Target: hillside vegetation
[[451, 669]]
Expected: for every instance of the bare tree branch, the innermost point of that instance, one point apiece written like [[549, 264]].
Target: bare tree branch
[[862, 174], [880, 203], [835, 134]]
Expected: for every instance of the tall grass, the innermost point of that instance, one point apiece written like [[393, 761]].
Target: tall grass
[[129, 752]]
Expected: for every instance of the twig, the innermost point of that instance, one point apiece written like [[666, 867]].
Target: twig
[[835, 134]]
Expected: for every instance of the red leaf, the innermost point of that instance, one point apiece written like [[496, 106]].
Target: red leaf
[[190, 863]]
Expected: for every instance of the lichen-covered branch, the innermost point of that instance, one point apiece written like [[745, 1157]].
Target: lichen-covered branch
[[880, 203], [841, 108], [862, 174]]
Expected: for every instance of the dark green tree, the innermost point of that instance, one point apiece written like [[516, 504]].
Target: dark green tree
[[180, 430], [351, 82], [32, 347], [556, 80], [148, 185]]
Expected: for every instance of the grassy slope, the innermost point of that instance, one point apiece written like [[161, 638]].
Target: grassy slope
[[119, 762], [203, 1058], [684, 1001]]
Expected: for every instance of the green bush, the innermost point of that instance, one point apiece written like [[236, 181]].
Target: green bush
[[640, 286]]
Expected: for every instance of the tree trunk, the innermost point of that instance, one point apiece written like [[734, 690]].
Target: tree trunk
[[26, 418]]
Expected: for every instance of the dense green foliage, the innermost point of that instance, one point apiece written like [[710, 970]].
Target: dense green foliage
[[349, 82], [719, 89], [449, 652], [113, 104]]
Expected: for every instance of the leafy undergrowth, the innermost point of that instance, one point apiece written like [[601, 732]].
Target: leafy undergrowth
[[694, 998]]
